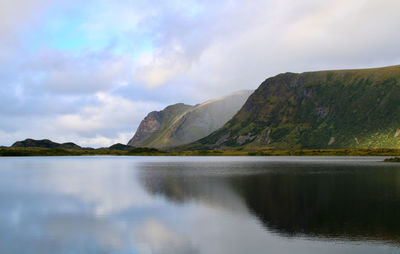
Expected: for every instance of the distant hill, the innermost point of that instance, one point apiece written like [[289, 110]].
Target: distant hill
[[44, 143], [181, 124], [325, 109], [121, 147]]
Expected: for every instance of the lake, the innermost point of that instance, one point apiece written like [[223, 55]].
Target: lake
[[208, 205]]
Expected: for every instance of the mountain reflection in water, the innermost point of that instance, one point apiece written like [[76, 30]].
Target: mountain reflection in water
[[348, 201], [199, 205]]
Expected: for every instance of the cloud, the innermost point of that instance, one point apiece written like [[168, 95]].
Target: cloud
[[109, 120], [85, 73], [290, 37], [17, 14], [157, 238], [57, 57], [157, 69], [116, 112], [102, 121]]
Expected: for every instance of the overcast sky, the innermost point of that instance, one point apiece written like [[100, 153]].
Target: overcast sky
[[89, 71]]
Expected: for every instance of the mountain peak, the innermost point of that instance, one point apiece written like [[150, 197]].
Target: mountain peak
[[180, 123]]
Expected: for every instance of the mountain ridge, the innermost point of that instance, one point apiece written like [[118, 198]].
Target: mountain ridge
[[326, 109]]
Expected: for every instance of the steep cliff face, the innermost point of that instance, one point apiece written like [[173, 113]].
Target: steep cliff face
[[150, 124], [155, 122], [187, 124], [326, 109]]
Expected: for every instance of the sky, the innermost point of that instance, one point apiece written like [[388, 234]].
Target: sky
[[90, 71]]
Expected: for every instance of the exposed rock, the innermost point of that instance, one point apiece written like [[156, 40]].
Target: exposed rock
[[243, 139], [331, 141], [223, 139], [322, 112], [188, 123], [149, 125], [156, 121], [268, 138]]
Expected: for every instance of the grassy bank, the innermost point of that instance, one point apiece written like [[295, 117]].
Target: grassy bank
[[154, 152], [77, 152], [394, 159], [306, 152]]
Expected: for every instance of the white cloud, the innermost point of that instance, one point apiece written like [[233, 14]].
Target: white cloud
[[155, 237], [110, 120], [157, 69], [108, 112], [190, 51], [84, 73], [318, 35], [102, 122], [18, 14]]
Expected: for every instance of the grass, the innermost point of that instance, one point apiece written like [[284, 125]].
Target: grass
[[154, 152], [77, 152], [300, 152]]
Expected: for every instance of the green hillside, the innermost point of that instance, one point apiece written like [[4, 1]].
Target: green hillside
[[325, 109]]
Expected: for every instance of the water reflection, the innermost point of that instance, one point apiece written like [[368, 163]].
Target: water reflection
[[204, 205], [349, 201]]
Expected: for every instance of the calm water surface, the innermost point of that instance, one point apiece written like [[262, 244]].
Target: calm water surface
[[205, 205]]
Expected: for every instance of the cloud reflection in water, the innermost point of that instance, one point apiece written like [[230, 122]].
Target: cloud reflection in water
[[195, 205]]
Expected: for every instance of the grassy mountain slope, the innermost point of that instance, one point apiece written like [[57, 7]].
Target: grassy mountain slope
[[326, 109], [189, 124]]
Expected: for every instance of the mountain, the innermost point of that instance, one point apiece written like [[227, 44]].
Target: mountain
[[155, 123], [181, 124], [294, 202], [325, 109], [44, 143]]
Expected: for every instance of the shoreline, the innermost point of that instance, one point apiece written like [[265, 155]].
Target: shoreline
[[24, 152]]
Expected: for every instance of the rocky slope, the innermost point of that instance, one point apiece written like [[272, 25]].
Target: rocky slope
[[326, 109], [155, 123], [181, 124]]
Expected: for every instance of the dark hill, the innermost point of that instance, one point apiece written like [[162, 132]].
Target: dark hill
[[44, 143], [121, 147]]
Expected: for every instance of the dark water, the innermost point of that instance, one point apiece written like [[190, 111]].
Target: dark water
[[206, 205]]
